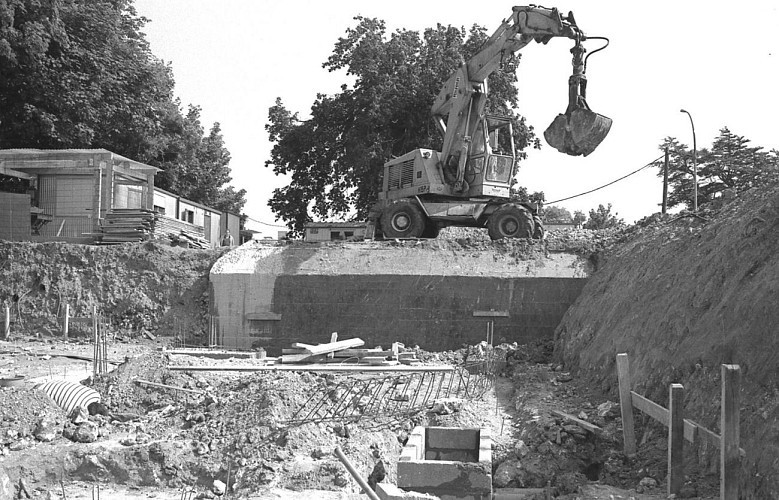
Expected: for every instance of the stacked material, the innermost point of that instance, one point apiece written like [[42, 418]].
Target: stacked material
[[180, 232], [124, 225], [348, 351]]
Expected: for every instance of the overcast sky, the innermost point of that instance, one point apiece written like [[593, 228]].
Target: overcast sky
[[717, 60]]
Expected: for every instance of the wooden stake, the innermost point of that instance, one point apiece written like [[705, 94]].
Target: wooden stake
[[729, 449], [95, 363], [626, 403], [6, 322], [66, 321], [675, 439]]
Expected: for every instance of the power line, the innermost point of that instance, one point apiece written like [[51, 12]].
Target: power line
[[263, 223], [606, 185]]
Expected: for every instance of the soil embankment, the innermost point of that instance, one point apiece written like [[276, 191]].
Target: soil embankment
[[135, 287], [682, 296]]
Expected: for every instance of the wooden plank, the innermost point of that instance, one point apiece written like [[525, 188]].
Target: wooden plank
[[336, 367], [626, 404], [581, 423], [332, 346], [676, 439], [649, 407], [730, 463], [333, 338], [298, 358], [165, 386], [361, 353], [301, 345]]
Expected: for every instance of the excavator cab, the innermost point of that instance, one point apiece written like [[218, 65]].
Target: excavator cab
[[579, 130]]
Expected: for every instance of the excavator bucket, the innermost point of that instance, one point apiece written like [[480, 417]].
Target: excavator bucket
[[577, 133]]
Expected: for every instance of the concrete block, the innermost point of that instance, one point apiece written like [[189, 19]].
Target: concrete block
[[392, 492], [452, 439], [429, 476], [409, 452]]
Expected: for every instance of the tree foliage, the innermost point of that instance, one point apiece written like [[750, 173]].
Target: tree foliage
[[557, 215], [579, 217], [731, 163], [602, 218], [80, 74], [335, 157]]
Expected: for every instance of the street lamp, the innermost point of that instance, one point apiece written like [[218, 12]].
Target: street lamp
[[694, 164]]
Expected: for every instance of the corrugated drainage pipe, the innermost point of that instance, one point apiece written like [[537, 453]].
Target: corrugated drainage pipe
[[365, 488]]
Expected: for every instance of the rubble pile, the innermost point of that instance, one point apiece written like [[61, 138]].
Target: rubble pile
[[27, 417]]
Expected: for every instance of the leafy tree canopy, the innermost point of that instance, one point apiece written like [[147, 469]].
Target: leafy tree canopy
[[80, 74], [602, 218], [335, 157], [731, 163], [557, 215]]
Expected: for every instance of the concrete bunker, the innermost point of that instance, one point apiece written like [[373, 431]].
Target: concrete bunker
[[418, 293]]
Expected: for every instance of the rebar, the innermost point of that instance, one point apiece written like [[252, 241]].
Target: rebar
[[398, 395]]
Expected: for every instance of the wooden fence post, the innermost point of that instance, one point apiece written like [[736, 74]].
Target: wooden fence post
[[97, 344], [675, 439], [729, 427], [626, 403], [65, 321], [6, 322]]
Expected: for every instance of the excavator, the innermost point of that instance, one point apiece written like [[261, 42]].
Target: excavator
[[468, 182]]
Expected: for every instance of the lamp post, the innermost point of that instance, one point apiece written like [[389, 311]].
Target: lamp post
[[694, 165]]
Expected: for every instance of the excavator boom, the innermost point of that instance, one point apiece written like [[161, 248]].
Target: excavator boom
[[463, 97]]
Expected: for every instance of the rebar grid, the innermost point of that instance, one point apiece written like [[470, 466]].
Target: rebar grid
[[398, 395]]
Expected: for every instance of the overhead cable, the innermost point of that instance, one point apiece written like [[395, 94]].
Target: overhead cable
[[606, 185]]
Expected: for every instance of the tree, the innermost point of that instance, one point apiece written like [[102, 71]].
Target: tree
[[335, 157], [730, 164], [196, 166], [579, 218], [602, 218], [557, 215], [80, 74], [733, 164]]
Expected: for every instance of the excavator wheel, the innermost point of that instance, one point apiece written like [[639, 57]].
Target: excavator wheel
[[510, 221], [402, 219]]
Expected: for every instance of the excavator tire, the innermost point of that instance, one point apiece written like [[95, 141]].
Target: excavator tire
[[538, 231], [402, 219], [431, 230], [510, 221]]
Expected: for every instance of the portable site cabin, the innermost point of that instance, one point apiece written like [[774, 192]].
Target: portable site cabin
[[334, 231], [70, 191]]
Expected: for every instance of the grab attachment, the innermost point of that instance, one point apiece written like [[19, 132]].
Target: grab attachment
[[579, 130]]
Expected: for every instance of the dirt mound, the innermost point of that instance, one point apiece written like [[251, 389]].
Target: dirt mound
[[134, 286], [682, 295]]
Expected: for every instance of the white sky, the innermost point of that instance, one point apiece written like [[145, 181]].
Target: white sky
[[718, 60]]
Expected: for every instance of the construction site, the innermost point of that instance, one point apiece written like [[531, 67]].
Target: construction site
[[589, 364]]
